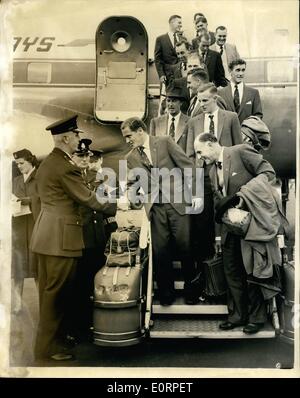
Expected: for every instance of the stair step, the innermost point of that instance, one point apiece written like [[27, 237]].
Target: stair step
[[178, 285], [203, 328], [179, 307]]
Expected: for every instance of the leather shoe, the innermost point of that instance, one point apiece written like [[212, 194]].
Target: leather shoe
[[62, 356], [229, 325], [191, 299], [252, 328]]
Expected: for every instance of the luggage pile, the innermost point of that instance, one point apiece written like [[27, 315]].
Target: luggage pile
[[118, 296]]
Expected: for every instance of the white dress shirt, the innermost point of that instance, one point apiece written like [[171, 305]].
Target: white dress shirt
[[176, 121], [207, 121], [171, 36], [146, 146], [220, 172], [26, 176], [240, 89]]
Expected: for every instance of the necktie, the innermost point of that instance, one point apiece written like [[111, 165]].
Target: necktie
[[144, 157], [236, 99], [172, 128], [218, 175], [221, 50], [175, 39], [219, 165], [203, 56], [211, 124], [192, 105], [183, 66]]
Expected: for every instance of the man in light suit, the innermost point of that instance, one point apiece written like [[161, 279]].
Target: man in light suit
[[227, 51], [212, 60], [170, 221], [239, 97], [174, 122], [195, 80], [231, 168], [57, 237], [223, 124], [164, 52]]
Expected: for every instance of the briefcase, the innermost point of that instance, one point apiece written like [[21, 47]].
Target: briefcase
[[215, 282], [124, 240]]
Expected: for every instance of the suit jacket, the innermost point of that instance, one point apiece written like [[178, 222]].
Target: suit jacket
[[250, 103], [241, 163], [159, 126], [231, 54], [215, 68], [229, 130], [182, 84], [165, 154], [164, 55], [58, 229]]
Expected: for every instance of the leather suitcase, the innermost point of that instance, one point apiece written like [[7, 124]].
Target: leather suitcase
[[124, 240], [215, 282], [118, 315]]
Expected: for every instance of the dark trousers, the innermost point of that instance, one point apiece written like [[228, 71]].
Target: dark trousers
[[55, 276], [170, 230], [245, 301], [82, 310]]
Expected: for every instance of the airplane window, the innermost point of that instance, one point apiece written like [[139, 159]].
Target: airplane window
[[279, 71], [39, 72], [121, 41]]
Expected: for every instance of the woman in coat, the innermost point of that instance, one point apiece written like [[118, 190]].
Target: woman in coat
[[24, 262]]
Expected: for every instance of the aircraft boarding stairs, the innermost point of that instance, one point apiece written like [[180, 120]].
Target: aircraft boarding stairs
[[201, 320]]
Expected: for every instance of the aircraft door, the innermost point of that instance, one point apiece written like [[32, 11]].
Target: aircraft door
[[121, 76]]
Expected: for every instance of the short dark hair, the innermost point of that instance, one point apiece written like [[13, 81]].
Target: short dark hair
[[197, 15], [192, 54], [174, 17], [236, 62], [201, 19], [221, 27], [205, 35], [210, 87], [134, 123], [205, 137], [200, 74], [183, 41]]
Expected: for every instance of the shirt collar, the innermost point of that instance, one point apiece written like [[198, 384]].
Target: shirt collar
[[26, 176], [220, 159], [238, 84], [146, 143], [215, 113], [175, 117]]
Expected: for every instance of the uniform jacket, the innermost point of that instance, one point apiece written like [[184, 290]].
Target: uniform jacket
[[229, 130], [58, 229], [24, 262], [215, 68], [165, 154], [250, 103], [159, 126], [241, 163], [94, 221], [164, 55]]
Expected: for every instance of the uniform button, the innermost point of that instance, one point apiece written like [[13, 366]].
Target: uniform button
[[95, 221], [77, 222], [95, 212]]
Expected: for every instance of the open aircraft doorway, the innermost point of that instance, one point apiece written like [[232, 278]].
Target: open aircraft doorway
[[121, 75]]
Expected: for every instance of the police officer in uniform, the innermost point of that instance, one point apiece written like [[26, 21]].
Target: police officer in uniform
[[57, 237], [95, 237]]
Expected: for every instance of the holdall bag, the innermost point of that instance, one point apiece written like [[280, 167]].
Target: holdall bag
[[215, 282], [124, 239], [237, 221]]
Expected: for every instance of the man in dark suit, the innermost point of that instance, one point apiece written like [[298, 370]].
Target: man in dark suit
[[182, 50], [223, 124], [227, 51], [174, 122], [201, 27], [195, 80], [57, 237], [233, 167], [164, 52], [212, 60], [164, 203], [239, 97]]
